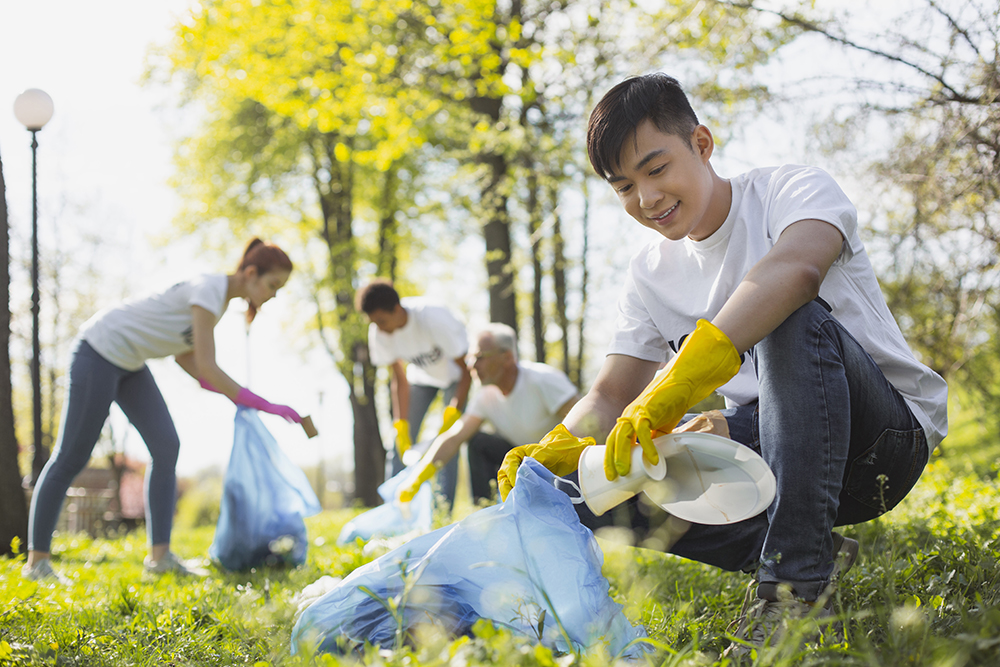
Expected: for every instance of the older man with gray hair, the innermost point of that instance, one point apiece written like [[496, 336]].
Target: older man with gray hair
[[523, 400]]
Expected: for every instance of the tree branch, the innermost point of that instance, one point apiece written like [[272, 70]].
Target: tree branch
[[809, 26]]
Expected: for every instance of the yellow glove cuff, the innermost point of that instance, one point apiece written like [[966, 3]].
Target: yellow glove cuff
[[451, 415], [427, 471], [559, 451], [705, 362], [403, 442]]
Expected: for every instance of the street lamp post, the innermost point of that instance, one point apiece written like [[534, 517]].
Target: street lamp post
[[33, 108]]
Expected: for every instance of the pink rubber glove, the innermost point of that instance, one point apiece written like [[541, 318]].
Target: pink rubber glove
[[252, 400]]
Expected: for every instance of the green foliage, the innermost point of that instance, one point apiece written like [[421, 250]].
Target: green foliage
[[199, 505], [926, 591], [916, 119]]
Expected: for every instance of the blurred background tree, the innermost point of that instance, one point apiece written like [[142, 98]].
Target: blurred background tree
[[13, 506], [919, 122]]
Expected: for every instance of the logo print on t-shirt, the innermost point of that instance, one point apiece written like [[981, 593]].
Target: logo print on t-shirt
[[188, 335], [427, 358]]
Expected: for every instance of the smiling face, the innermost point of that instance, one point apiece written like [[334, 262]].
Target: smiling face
[[668, 185], [261, 288]]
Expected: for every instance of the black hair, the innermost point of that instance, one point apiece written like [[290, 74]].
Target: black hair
[[379, 294], [657, 97]]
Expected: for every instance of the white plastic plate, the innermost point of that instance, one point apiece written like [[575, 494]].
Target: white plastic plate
[[711, 479]]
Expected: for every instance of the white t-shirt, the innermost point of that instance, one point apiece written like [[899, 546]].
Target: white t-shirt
[[429, 343], [531, 409], [155, 326], [672, 284]]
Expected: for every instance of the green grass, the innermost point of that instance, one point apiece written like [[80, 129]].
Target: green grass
[[926, 591]]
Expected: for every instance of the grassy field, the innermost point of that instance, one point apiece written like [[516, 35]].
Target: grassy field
[[925, 592]]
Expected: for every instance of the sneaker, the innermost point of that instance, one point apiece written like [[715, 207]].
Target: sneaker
[[768, 622], [171, 563], [42, 572], [766, 619], [845, 552]]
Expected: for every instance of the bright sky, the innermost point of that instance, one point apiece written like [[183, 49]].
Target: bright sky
[[105, 158]]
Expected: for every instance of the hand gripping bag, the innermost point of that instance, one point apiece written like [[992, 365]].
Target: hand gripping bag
[[528, 564], [264, 500], [390, 519]]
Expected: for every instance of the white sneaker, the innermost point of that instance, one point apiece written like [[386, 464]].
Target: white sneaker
[[171, 563], [42, 571]]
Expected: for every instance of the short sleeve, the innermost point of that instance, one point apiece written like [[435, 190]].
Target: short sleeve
[[450, 333], [636, 335], [556, 390], [808, 193], [210, 293]]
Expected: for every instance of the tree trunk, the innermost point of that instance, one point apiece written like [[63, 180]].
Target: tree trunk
[[499, 264], [559, 276], [577, 375], [535, 241], [336, 205], [496, 231], [13, 506], [387, 227], [369, 454]]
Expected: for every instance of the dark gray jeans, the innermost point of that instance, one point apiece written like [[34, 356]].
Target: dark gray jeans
[[486, 452], [94, 383]]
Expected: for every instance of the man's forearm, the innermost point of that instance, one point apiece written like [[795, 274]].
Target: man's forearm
[[592, 416], [444, 448]]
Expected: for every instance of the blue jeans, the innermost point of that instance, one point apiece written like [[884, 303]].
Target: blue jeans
[[842, 443], [94, 383], [421, 397]]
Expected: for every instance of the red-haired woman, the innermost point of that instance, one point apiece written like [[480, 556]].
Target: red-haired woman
[[109, 364]]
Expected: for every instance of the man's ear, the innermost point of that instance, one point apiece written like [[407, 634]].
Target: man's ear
[[702, 142]]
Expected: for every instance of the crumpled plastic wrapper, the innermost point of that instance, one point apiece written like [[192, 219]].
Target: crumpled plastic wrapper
[[712, 421]]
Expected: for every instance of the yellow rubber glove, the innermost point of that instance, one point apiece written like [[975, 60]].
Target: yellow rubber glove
[[403, 442], [705, 362], [451, 416], [559, 451], [406, 492]]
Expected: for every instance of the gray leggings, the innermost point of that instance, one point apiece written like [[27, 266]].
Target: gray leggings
[[94, 383]]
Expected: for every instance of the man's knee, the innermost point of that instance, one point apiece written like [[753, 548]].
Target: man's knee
[[781, 344]]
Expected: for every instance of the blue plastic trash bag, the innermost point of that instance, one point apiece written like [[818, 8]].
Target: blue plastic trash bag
[[390, 519], [264, 500], [528, 564]]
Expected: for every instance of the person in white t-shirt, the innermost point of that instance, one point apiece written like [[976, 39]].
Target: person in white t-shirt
[[761, 289], [425, 344], [109, 365], [523, 400]]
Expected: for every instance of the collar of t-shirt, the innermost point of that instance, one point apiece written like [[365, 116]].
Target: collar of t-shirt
[[721, 235]]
